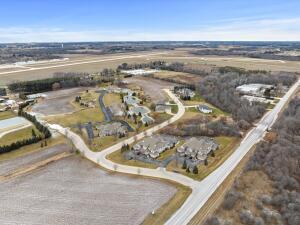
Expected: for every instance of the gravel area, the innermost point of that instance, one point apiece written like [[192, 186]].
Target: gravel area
[[8, 166], [152, 87], [76, 191]]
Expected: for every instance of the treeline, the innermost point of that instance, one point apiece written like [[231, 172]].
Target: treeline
[[34, 139], [59, 80], [220, 90], [246, 53], [201, 126], [162, 65], [278, 158]]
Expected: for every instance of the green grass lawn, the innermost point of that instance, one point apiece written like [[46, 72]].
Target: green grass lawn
[[7, 114], [111, 98], [174, 108], [18, 135], [31, 148]]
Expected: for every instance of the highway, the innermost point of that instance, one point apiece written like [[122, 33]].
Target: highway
[[201, 191], [207, 187]]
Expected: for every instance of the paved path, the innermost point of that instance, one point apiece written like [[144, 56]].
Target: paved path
[[105, 110], [201, 191]]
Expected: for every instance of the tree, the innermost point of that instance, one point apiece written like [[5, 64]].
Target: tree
[[33, 132], [56, 86], [184, 165], [195, 170], [205, 162]]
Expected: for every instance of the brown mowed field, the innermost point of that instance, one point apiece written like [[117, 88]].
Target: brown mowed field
[[88, 65], [248, 63], [76, 191], [181, 55]]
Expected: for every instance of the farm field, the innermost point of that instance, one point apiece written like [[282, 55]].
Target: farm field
[[83, 192]]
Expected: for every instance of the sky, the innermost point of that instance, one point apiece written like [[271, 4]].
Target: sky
[[149, 20]]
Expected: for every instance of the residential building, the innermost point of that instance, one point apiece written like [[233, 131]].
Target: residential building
[[131, 100], [153, 146], [204, 108], [197, 149], [111, 129], [147, 119]]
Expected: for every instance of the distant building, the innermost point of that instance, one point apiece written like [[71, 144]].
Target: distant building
[[35, 96], [139, 72], [204, 109], [153, 146], [197, 149], [254, 89]]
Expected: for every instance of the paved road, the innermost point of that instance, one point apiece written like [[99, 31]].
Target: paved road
[[201, 191], [105, 110], [208, 186]]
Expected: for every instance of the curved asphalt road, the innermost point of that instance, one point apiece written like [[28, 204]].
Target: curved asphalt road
[[201, 191]]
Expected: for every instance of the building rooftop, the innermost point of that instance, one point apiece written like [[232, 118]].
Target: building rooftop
[[198, 148]]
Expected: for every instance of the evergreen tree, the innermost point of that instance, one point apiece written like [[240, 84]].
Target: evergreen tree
[[184, 165]]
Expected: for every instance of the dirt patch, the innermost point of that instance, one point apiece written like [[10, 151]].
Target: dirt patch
[[76, 191], [152, 87], [57, 102]]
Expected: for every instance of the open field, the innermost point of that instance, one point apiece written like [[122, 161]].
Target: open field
[[111, 99], [75, 191], [95, 64], [57, 102], [6, 115], [182, 55], [18, 135], [89, 64]]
